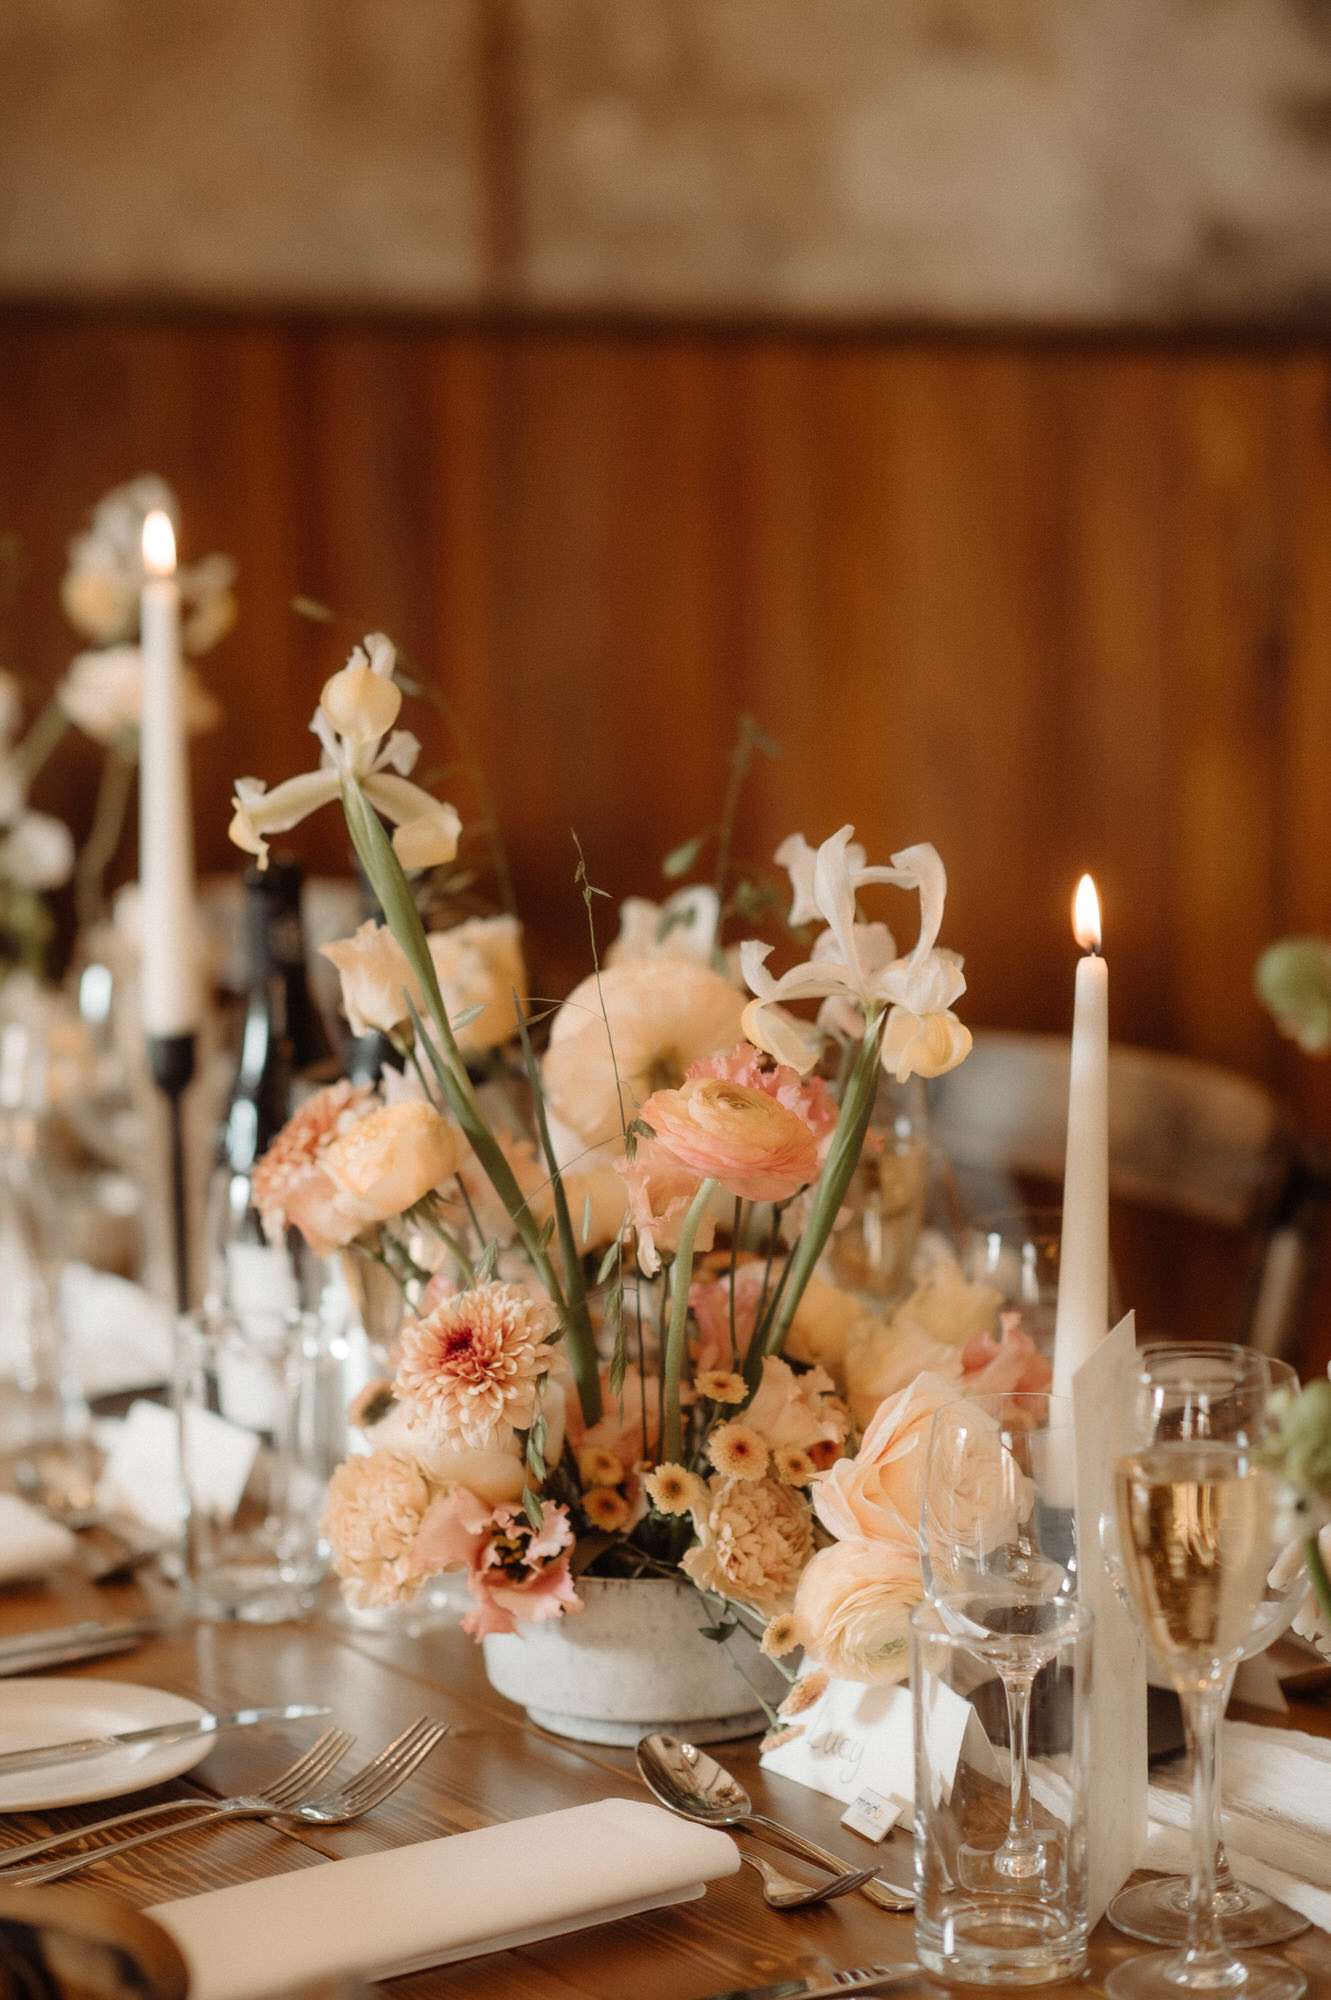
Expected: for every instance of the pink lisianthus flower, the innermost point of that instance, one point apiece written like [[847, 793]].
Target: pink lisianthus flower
[[291, 1185], [515, 1572], [1006, 1366], [660, 1190], [808, 1097], [709, 1302], [622, 1429]]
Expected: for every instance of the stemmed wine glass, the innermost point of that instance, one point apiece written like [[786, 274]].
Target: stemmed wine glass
[[1195, 1530], [998, 1539], [1157, 1911]]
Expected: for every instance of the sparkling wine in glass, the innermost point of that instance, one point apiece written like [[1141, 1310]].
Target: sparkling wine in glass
[[1195, 1517]]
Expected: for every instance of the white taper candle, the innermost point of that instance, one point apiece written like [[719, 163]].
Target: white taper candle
[[169, 963], [1082, 1319]]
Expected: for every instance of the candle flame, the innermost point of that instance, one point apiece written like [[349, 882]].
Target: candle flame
[[1086, 915], [159, 544]]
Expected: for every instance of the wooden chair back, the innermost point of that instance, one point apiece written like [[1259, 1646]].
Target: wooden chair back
[[1186, 1137]]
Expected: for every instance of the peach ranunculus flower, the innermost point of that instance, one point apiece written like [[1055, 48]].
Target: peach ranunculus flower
[[391, 1159], [882, 1361], [753, 1145], [479, 964], [291, 1185], [876, 1494], [808, 1097], [376, 979], [800, 1409], [628, 1031], [372, 1516], [754, 1539], [660, 1192], [515, 1572], [475, 1363], [852, 1608]]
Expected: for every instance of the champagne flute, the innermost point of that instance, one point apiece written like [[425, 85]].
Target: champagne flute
[[1157, 1911], [998, 1540], [1195, 1518]]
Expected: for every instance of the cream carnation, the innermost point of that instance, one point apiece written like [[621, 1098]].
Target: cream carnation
[[754, 1538], [291, 1185], [372, 1515], [388, 1161], [852, 1609], [476, 1363]]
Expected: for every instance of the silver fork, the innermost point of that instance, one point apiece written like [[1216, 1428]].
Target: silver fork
[[369, 1788], [287, 1789]]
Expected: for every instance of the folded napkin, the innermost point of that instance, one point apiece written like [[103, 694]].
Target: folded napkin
[[119, 1336], [30, 1544], [1276, 1815], [381, 1915]]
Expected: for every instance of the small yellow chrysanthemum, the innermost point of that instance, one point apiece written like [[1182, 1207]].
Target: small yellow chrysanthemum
[[805, 1693], [673, 1489], [606, 1509], [781, 1636], [597, 1466], [721, 1385], [738, 1451], [792, 1465]]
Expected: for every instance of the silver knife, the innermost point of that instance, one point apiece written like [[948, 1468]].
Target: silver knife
[[60, 1644], [161, 1732], [825, 1985]]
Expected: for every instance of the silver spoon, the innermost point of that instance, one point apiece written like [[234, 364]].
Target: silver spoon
[[783, 1892], [693, 1784]]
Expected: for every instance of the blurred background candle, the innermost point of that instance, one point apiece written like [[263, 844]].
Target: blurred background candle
[[169, 982], [1083, 1285]]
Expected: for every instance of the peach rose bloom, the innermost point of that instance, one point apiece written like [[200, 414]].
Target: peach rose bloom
[[800, 1410], [385, 1164], [376, 977], [852, 1609], [372, 1517], [756, 1147], [291, 1184], [1006, 1366], [881, 1361], [876, 1494], [754, 1538]]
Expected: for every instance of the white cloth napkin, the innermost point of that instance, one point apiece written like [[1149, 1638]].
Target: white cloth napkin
[[120, 1338], [1276, 1817], [30, 1544], [380, 1915]]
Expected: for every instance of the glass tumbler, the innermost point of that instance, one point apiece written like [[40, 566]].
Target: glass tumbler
[[261, 1423], [975, 1923]]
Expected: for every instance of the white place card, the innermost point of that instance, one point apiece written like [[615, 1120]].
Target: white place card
[[859, 1740], [141, 1477]]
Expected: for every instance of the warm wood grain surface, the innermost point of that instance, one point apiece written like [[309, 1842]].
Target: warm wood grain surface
[[493, 1766]]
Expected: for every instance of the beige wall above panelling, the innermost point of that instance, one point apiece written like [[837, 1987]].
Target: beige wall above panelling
[[1026, 161]]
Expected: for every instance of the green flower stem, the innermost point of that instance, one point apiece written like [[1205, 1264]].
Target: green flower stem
[[838, 1168], [679, 1313], [49, 726], [1316, 1568], [108, 823], [388, 880]]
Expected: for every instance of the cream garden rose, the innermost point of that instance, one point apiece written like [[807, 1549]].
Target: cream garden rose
[[479, 964], [852, 1608], [390, 1160], [876, 1494]]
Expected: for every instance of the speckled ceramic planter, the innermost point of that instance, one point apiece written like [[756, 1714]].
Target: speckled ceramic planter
[[632, 1661]]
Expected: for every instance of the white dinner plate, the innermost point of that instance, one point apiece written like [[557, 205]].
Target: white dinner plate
[[34, 1712]]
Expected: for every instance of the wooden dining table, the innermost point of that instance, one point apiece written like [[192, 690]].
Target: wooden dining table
[[493, 1765]]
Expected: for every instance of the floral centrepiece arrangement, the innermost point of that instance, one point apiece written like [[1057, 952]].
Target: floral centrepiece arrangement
[[618, 1355]]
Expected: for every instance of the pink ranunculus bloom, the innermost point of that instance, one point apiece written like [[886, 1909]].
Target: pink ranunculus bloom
[[661, 1189], [876, 1494], [709, 1302], [291, 1186], [753, 1145], [516, 1573], [808, 1097], [622, 1429], [797, 1409], [1006, 1366]]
